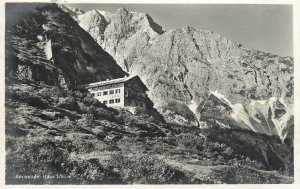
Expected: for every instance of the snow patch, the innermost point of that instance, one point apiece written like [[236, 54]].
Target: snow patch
[[239, 114], [193, 106], [261, 102], [281, 123], [263, 107]]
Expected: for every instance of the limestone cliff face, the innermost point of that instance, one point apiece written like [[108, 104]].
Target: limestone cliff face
[[77, 58], [182, 69]]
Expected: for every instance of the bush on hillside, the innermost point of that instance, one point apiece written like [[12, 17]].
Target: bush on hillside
[[145, 169], [68, 103], [44, 157], [190, 141], [246, 175], [36, 157]]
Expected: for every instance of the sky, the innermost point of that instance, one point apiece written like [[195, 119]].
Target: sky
[[268, 28]]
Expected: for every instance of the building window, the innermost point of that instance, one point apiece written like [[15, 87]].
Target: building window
[[111, 92], [136, 103], [105, 102], [111, 101], [141, 105], [117, 100], [118, 91], [105, 93], [99, 94], [129, 101]]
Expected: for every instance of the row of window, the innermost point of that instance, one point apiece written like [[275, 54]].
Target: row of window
[[112, 101], [106, 92]]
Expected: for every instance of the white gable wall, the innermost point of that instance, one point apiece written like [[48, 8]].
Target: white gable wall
[[99, 94], [48, 50]]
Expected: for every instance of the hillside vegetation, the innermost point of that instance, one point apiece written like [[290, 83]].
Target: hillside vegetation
[[52, 131]]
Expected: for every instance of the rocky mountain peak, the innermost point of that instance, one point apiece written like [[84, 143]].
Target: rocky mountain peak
[[94, 11], [121, 25], [138, 19], [123, 11], [188, 29], [73, 12], [182, 67]]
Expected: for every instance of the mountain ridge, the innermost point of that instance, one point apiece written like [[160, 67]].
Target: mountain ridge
[[183, 65]]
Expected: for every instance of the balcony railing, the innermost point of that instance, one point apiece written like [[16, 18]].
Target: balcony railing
[[135, 96]]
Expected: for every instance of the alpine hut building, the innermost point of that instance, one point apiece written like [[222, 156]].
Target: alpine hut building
[[121, 92]]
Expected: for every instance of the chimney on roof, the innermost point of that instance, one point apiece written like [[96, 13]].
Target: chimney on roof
[[125, 76], [107, 79]]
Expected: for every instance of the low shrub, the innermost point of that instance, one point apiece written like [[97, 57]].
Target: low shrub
[[32, 99], [145, 169], [68, 103], [36, 157], [43, 157], [190, 141], [90, 172], [245, 175]]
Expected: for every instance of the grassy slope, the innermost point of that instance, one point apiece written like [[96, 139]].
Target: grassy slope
[[52, 131]]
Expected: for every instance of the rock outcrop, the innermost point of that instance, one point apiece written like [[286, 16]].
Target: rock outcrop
[[181, 67], [77, 58]]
